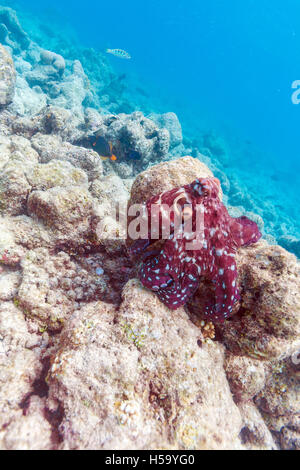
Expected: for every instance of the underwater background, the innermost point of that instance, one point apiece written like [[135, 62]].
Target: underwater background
[[225, 68]]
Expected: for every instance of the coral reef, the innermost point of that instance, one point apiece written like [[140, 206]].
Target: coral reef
[[42, 76], [11, 31], [170, 122], [134, 138], [89, 358], [54, 69]]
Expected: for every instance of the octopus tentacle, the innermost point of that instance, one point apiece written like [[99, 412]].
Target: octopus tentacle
[[226, 289], [244, 231]]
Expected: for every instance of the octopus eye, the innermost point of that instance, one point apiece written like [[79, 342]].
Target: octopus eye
[[201, 189], [207, 187]]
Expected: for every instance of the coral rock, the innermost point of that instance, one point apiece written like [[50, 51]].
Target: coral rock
[[10, 252], [126, 376], [279, 403], [14, 189], [30, 431], [18, 38], [134, 133], [269, 324], [246, 376], [51, 147], [170, 122], [9, 283], [255, 434], [4, 150], [165, 176], [51, 285], [7, 77], [62, 208], [50, 58], [55, 173], [19, 366]]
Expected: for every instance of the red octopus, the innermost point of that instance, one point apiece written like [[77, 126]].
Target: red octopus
[[175, 272]]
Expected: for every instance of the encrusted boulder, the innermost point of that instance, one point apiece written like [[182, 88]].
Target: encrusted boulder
[[110, 189], [52, 286], [30, 430], [11, 31], [141, 379], [9, 283], [51, 147], [279, 402], [165, 176], [73, 90], [111, 196], [10, 252], [14, 189], [246, 376], [281, 395], [7, 77], [51, 58], [19, 366], [134, 137], [27, 100], [255, 434], [22, 151], [170, 122], [268, 324], [55, 173], [4, 150], [63, 208]]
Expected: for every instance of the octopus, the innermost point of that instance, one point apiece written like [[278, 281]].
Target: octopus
[[199, 240]]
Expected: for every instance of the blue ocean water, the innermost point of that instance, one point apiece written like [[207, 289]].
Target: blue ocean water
[[225, 68]]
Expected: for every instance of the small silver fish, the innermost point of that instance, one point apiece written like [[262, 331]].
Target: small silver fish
[[119, 53]]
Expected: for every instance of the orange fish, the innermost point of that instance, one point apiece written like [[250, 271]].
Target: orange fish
[[111, 156], [100, 144]]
